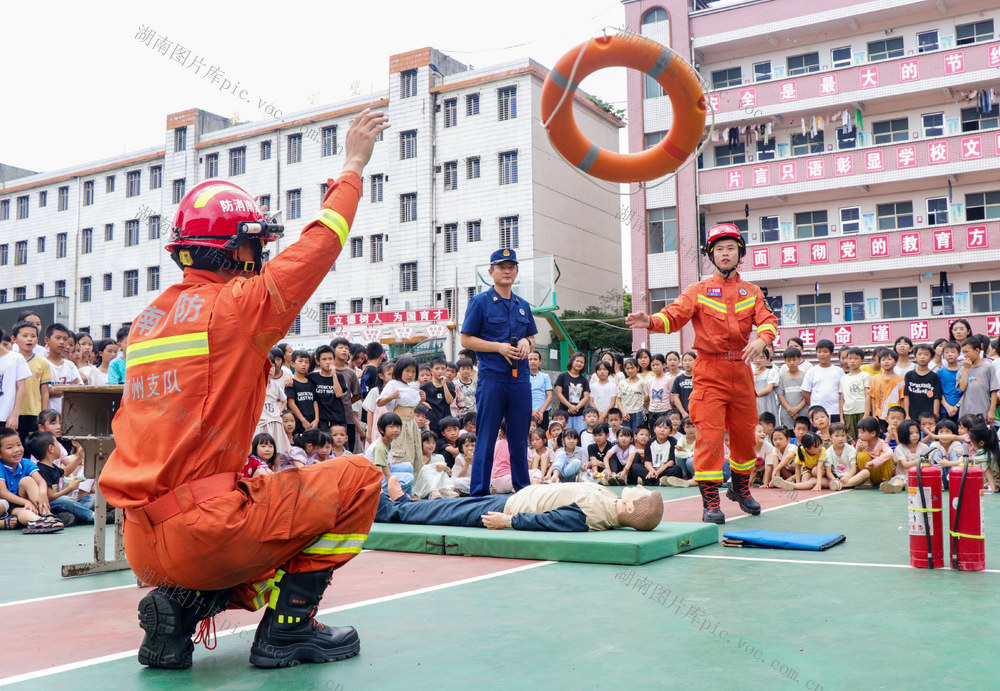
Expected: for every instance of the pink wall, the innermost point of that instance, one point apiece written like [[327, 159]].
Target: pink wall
[[927, 329]]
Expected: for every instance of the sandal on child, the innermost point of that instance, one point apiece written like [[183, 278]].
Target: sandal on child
[[53, 520], [40, 527], [9, 522]]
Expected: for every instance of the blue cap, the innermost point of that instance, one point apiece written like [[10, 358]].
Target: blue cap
[[505, 255]]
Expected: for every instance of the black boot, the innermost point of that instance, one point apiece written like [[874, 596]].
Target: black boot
[[169, 617], [710, 503], [288, 634], [740, 493]]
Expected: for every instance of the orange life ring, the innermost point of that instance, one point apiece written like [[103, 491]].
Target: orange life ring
[[669, 70]]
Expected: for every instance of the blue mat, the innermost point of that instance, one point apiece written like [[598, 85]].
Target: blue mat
[[815, 542]]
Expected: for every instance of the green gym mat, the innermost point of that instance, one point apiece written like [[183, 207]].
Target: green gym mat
[[604, 547]]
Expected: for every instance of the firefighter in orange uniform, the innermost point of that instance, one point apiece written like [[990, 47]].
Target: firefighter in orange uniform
[[724, 310], [194, 390]]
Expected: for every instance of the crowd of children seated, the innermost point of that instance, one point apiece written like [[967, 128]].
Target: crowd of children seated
[[847, 420]]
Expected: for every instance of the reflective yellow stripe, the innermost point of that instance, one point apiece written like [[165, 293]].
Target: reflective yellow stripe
[[709, 302], [974, 537], [209, 192], [924, 510], [272, 583], [746, 304], [708, 476], [767, 327], [335, 222], [329, 543], [262, 589], [663, 319], [167, 348], [739, 467]]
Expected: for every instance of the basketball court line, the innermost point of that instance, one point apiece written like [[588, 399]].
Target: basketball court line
[[817, 561], [63, 595], [39, 674]]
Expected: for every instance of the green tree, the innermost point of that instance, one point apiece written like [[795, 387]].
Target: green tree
[[601, 326]]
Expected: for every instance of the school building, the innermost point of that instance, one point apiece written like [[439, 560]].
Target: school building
[[856, 144], [466, 168]]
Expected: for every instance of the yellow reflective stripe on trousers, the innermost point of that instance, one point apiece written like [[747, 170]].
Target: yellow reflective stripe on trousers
[[740, 467], [708, 476], [263, 590], [746, 304], [709, 302], [335, 222], [330, 543], [168, 347], [767, 327]]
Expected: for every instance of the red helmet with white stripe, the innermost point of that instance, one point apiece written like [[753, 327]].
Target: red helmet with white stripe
[[724, 231], [212, 221]]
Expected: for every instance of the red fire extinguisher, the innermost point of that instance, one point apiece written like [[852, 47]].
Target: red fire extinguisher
[[926, 536], [968, 537]]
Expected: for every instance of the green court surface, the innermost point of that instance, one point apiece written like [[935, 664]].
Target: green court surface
[[854, 617]]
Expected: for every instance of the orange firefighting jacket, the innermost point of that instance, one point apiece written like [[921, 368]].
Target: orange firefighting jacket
[[724, 312], [197, 361]]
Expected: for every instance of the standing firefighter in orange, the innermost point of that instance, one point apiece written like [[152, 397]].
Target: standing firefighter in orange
[[723, 310], [194, 389]]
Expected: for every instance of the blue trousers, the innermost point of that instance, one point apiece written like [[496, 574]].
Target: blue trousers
[[78, 509], [463, 511], [497, 400]]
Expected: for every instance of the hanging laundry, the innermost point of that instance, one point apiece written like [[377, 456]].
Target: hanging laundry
[[734, 136], [770, 128], [803, 127], [993, 96], [812, 129], [845, 118], [716, 135], [857, 119], [949, 192]]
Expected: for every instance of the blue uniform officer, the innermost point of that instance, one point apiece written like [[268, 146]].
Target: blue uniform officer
[[495, 321]]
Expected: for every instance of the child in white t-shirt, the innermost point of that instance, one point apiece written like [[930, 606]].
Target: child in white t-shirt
[[64, 371], [461, 472], [841, 457], [908, 453]]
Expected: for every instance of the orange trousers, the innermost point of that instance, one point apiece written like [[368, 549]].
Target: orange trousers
[[304, 519], [723, 398]]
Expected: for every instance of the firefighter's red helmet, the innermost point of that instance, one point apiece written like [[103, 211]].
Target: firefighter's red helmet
[[724, 231], [211, 223]]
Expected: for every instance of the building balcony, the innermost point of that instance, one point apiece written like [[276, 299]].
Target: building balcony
[[968, 152], [886, 253], [923, 329], [903, 79]]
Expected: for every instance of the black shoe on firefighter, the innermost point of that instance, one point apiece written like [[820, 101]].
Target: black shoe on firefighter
[[169, 617], [740, 493], [288, 634], [710, 503]]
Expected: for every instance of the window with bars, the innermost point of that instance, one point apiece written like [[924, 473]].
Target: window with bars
[[889, 131], [507, 103], [508, 167], [885, 50], [133, 183], [449, 300], [265, 150], [106, 331], [472, 104], [109, 232], [376, 184], [937, 211], [39, 290], [323, 189], [152, 278], [472, 167], [357, 305], [86, 241], [154, 228], [850, 220], [109, 281], [326, 309], [450, 237], [811, 224], [20, 293], [722, 79], [62, 240], [357, 247], [294, 148], [43, 199], [451, 112], [408, 207], [4, 209], [155, 177], [451, 175], [238, 161], [899, 303], [131, 233], [895, 215], [3, 295], [293, 200], [982, 206], [976, 32], [508, 232], [180, 139], [22, 207], [20, 252], [407, 83], [815, 309], [407, 145], [178, 190], [88, 193], [473, 231], [408, 277], [3, 254], [376, 248], [730, 154], [662, 230], [376, 304], [854, 305], [803, 144], [470, 293], [131, 281], [60, 288], [63, 199], [212, 166], [329, 140], [803, 64], [770, 229]]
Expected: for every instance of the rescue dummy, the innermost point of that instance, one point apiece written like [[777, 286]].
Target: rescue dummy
[[194, 388], [724, 311]]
